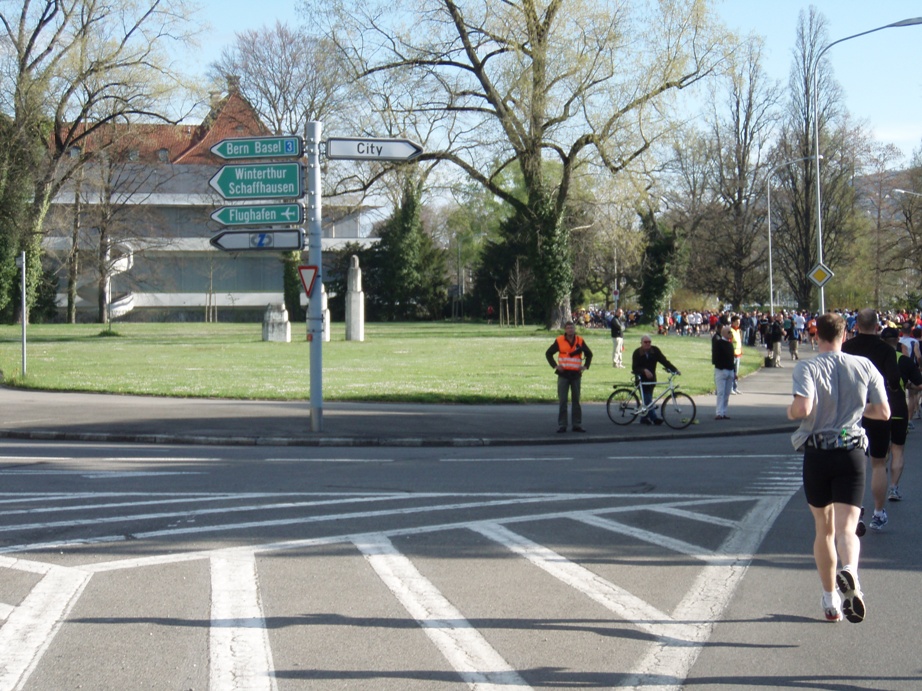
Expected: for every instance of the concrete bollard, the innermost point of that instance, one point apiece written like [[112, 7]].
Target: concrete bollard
[[276, 326], [355, 303]]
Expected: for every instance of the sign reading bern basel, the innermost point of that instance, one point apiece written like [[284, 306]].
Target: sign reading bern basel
[[259, 147]]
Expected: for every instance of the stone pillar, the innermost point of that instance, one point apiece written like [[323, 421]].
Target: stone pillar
[[324, 308], [324, 313], [355, 303], [275, 324]]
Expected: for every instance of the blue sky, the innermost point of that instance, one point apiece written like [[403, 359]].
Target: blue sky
[[879, 73]]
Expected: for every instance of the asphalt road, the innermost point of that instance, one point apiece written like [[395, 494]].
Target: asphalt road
[[664, 563]]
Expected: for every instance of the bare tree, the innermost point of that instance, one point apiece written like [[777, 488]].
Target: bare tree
[[78, 65], [909, 220], [885, 243], [608, 250], [795, 208], [717, 192], [576, 81], [287, 75]]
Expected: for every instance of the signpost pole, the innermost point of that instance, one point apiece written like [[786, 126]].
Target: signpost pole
[[21, 261], [314, 131]]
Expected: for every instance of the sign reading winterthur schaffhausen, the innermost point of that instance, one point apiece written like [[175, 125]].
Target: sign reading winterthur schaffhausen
[[259, 181]]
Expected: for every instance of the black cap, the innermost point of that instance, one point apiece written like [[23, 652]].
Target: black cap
[[890, 332]]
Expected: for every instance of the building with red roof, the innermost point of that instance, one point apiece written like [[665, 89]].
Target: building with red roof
[[138, 221]]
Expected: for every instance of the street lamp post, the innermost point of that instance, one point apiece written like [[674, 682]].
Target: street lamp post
[[768, 186], [816, 136]]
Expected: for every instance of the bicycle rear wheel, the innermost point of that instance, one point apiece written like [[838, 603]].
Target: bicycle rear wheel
[[678, 410], [623, 406]]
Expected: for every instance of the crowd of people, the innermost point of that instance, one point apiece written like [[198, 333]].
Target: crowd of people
[[855, 400]]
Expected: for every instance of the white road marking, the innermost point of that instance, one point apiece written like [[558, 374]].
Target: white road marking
[[465, 649], [240, 654], [680, 636], [31, 626], [5, 610], [328, 460], [706, 600], [109, 459], [506, 460], [703, 457], [658, 539], [192, 513], [694, 516], [233, 527], [102, 474], [610, 596]]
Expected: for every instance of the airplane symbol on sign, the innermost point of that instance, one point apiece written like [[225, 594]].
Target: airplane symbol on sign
[[261, 240], [289, 213]]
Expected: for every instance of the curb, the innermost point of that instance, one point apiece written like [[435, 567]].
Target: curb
[[397, 442]]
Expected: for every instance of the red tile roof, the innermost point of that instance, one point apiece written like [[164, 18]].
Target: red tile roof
[[232, 116]]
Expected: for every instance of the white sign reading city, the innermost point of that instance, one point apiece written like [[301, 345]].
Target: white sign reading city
[[371, 149]]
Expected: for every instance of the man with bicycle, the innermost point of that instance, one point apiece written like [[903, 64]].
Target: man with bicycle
[[643, 366]]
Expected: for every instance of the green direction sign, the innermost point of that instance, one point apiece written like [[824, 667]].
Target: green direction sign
[[259, 147], [260, 181], [259, 215]]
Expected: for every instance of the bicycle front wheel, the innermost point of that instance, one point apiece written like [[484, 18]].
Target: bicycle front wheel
[[678, 410], [623, 406]]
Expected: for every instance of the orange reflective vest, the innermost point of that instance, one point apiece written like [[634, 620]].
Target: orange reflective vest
[[566, 359]]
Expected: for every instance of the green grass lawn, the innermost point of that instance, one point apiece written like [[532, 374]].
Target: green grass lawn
[[430, 363]]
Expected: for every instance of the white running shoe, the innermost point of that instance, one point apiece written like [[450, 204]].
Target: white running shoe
[[852, 597], [832, 607]]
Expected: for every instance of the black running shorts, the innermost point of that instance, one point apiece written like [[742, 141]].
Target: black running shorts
[[899, 427], [834, 476], [878, 432]]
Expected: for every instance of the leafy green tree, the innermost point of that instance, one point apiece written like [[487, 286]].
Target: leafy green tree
[[20, 157], [661, 265], [406, 273]]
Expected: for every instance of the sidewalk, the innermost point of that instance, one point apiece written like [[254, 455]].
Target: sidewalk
[[760, 409]]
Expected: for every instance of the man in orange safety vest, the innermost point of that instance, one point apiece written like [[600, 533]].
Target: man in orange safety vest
[[571, 351]]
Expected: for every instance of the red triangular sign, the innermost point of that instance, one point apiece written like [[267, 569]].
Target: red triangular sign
[[308, 275]]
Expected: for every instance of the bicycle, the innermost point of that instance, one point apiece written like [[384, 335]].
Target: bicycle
[[678, 409]]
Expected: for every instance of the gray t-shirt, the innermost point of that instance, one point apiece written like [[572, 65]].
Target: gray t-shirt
[[840, 386]]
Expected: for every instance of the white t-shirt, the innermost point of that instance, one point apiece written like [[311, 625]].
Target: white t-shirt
[[840, 386], [910, 344]]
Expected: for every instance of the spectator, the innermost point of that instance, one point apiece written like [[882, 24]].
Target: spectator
[[643, 365]]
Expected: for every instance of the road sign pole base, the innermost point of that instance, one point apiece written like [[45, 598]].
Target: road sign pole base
[[316, 419]]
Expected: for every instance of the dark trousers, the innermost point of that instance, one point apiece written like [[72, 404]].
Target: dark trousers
[[569, 386], [646, 391]]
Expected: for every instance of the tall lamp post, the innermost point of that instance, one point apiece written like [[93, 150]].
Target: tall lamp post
[[816, 137], [768, 186]]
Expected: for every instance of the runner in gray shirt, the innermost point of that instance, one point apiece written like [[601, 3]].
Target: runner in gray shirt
[[831, 393]]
